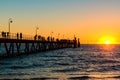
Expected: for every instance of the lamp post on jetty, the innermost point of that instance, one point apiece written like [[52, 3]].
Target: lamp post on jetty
[[9, 21], [36, 30]]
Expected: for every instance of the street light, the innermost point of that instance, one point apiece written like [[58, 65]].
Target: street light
[[9, 21], [36, 30]]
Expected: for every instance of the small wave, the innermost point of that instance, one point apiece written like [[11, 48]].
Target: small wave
[[83, 77], [20, 67], [116, 77], [80, 77], [94, 78], [66, 70]]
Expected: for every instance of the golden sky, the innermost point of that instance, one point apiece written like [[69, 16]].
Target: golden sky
[[90, 20]]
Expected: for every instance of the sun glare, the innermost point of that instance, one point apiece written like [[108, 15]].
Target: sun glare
[[107, 42]]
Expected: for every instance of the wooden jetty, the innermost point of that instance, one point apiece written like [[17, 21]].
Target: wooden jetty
[[15, 46]]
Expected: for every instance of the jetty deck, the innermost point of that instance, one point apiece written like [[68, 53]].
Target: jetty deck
[[14, 44]]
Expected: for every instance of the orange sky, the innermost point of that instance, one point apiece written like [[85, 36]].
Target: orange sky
[[90, 20]]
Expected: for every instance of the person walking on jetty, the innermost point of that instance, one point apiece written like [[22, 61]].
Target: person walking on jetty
[[35, 37], [20, 35]]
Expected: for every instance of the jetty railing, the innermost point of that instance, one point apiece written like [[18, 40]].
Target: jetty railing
[[8, 35]]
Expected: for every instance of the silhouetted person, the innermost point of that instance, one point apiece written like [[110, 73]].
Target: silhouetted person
[[39, 37], [53, 39], [75, 42], [35, 37], [78, 42], [48, 38], [2, 33], [8, 34], [20, 35], [57, 39]]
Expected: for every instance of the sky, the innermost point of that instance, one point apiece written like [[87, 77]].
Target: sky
[[89, 20]]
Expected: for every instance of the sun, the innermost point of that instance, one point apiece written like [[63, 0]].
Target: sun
[[107, 42]]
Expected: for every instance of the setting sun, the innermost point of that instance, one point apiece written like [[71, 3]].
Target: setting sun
[[107, 42]]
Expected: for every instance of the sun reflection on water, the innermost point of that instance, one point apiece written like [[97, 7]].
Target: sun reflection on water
[[107, 50], [107, 47]]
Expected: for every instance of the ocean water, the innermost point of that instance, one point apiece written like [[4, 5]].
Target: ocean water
[[89, 62]]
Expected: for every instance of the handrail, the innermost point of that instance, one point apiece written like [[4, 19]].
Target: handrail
[[21, 36], [8, 35]]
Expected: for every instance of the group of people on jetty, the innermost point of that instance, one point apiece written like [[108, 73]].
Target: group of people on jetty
[[36, 37], [20, 36], [8, 35], [39, 37]]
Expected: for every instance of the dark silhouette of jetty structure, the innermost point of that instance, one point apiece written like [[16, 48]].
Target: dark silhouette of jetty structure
[[15, 44]]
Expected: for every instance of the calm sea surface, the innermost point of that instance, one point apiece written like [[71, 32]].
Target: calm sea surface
[[90, 62]]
